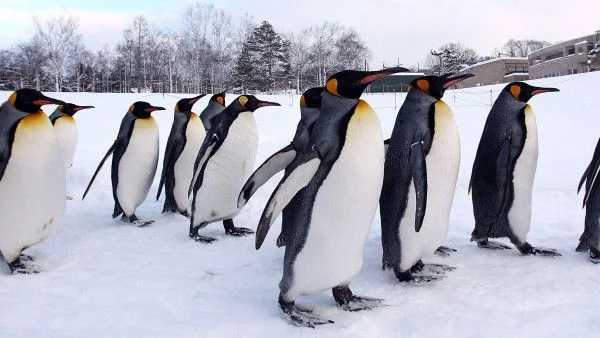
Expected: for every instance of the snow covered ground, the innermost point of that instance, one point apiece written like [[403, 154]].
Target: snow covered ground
[[107, 279]]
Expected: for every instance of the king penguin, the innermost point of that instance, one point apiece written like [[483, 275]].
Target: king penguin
[[223, 164], [310, 104], [32, 177], [341, 172], [590, 239], [65, 127], [185, 139], [504, 169], [216, 105], [135, 157], [421, 169]]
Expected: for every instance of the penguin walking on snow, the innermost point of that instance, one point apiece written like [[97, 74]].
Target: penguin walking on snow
[[185, 139], [135, 157], [341, 172], [421, 168], [65, 127], [590, 239], [310, 104], [32, 177], [223, 164], [215, 106], [504, 170]]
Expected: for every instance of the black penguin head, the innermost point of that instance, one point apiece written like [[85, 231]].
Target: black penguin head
[[523, 91], [252, 103], [351, 83], [311, 98], [436, 85], [219, 98], [30, 100], [185, 105], [143, 109], [71, 109]]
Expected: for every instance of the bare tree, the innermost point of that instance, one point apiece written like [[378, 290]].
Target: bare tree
[[352, 52], [522, 48], [60, 40]]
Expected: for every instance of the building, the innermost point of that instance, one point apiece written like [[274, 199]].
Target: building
[[564, 58], [393, 83], [494, 71]]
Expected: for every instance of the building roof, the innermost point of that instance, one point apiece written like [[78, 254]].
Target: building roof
[[503, 58]]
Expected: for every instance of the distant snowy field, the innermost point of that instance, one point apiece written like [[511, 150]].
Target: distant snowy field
[[108, 279]]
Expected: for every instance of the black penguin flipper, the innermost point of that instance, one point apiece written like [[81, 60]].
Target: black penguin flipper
[[419, 176], [504, 163], [274, 164], [303, 169], [591, 173], [175, 146], [386, 144], [110, 151], [211, 144], [583, 178]]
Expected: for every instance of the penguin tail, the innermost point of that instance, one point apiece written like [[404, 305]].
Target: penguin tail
[[170, 205], [118, 211], [583, 246]]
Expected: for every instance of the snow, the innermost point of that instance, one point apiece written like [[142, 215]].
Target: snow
[[105, 278]]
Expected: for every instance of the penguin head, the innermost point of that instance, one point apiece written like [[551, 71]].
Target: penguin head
[[351, 83], [185, 105], [252, 103], [436, 86], [311, 98], [143, 109], [70, 109], [219, 98], [30, 100], [523, 91]]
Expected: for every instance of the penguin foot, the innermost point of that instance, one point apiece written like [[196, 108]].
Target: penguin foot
[[595, 256], [140, 224], [439, 269], [300, 317], [349, 302], [280, 241], [418, 277], [185, 213], [232, 230], [202, 239], [444, 251], [486, 244], [19, 267]]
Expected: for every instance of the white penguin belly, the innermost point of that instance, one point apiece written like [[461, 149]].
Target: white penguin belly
[[184, 166], [66, 133], [138, 165], [519, 215], [32, 189], [343, 209], [443, 162], [227, 171]]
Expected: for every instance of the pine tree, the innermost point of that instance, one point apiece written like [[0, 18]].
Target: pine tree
[[269, 57], [243, 69]]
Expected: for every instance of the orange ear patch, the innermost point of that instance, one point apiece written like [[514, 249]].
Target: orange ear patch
[[243, 100], [423, 85], [12, 98], [515, 91], [302, 102], [220, 100], [131, 109], [332, 87]]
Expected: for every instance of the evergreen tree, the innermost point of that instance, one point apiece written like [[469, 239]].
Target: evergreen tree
[[243, 69], [269, 58]]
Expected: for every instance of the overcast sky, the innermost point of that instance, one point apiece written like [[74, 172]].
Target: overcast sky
[[393, 29]]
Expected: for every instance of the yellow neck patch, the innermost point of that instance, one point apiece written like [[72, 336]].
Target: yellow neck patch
[[332, 87], [423, 85], [12, 98], [515, 91]]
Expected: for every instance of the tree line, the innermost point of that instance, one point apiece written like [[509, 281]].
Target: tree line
[[210, 53]]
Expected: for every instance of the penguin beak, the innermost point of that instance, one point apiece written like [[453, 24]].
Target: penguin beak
[[195, 99], [267, 104], [540, 90], [82, 108], [378, 74], [47, 100], [151, 109], [451, 81]]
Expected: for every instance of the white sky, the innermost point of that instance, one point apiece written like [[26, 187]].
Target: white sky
[[393, 29]]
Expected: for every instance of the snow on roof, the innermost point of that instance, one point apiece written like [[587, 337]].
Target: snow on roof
[[516, 74], [503, 58], [404, 74]]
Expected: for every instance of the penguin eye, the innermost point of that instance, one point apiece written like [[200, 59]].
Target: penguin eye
[[515, 90]]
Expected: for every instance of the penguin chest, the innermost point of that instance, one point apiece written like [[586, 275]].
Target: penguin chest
[[184, 166], [343, 208], [227, 171], [66, 133], [519, 215], [138, 165], [32, 189], [442, 162]]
